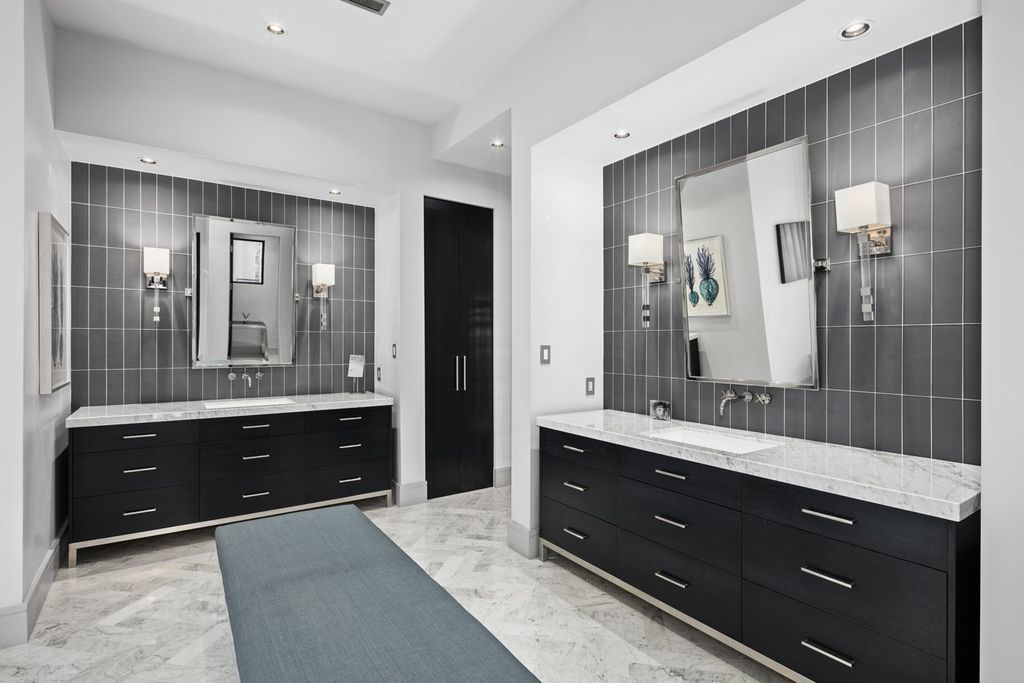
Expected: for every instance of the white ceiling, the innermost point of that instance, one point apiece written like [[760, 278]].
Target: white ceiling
[[797, 47], [419, 61]]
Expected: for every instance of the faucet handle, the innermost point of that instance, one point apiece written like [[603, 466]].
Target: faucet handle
[[729, 393], [763, 398]]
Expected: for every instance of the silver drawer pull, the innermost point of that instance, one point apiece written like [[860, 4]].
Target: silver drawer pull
[[139, 436], [827, 652], [669, 520], [349, 481], [349, 419], [256, 457], [673, 580], [255, 495], [132, 513], [824, 515], [827, 577], [575, 487], [351, 445], [671, 474], [135, 470], [575, 534], [263, 426], [573, 449]]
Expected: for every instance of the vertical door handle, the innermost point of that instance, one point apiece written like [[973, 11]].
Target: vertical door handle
[[465, 373], [456, 359]]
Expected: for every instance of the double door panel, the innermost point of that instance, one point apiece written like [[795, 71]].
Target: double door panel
[[458, 279]]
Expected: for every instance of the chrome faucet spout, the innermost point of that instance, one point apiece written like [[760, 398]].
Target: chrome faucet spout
[[727, 396], [248, 380]]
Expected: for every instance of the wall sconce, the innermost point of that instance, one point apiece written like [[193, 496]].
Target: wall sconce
[[156, 264], [647, 251], [864, 210], [323, 280]]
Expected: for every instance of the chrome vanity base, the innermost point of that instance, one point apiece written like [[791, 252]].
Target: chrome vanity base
[[73, 548], [549, 547]]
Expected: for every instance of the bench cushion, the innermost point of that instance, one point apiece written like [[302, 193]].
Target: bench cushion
[[324, 595]]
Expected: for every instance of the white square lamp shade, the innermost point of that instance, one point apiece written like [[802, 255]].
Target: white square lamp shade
[[323, 274], [646, 249], [863, 206], [156, 261]]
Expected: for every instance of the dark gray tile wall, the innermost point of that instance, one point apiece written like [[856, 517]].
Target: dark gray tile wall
[[120, 356], [910, 381]]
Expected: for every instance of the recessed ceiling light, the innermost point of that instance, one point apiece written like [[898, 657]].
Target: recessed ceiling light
[[855, 29], [147, 160], [334, 191], [275, 29], [620, 134], [497, 143]]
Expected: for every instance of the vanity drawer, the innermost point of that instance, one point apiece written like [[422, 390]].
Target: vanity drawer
[[682, 476], [826, 648], [132, 512], [347, 479], [586, 537], [896, 598], [690, 526], [246, 495], [589, 452], [254, 427], [353, 418], [132, 470], [251, 456], [331, 448], [122, 437], [593, 491], [914, 537], [701, 591]]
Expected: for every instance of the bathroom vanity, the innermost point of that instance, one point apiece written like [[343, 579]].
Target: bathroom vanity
[[823, 562], [149, 469]]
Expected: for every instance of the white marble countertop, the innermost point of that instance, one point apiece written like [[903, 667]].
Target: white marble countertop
[[924, 485], [135, 413]]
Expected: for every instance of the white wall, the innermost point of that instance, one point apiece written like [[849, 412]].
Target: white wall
[[12, 283], [34, 424], [566, 310], [114, 91], [1002, 372]]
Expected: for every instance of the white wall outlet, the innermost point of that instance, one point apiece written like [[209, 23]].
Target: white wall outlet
[[378, 374], [591, 390], [394, 350], [545, 355]]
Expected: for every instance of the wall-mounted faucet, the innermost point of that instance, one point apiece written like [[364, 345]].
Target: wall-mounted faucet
[[247, 379], [729, 395]]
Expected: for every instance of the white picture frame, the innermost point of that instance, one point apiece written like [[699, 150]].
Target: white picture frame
[[54, 297], [719, 305]]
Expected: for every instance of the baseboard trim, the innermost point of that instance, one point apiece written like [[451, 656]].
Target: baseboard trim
[[410, 494], [502, 476], [18, 620], [524, 541]]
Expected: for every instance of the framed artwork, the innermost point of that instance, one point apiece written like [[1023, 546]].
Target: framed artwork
[[707, 286], [54, 304]]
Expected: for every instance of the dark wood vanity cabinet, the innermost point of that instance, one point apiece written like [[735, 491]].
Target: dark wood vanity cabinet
[[829, 587], [137, 480]]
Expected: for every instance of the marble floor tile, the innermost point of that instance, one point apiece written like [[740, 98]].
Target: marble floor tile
[[153, 610]]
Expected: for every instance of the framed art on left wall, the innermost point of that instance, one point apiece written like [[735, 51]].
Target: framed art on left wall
[[54, 304]]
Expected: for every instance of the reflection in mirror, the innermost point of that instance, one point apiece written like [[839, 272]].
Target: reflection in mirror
[[745, 253], [244, 293]]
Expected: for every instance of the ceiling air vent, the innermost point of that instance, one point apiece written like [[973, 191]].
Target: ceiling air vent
[[375, 6]]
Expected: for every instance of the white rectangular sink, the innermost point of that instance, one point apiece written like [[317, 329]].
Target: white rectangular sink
[[698, 438], [249, 402]]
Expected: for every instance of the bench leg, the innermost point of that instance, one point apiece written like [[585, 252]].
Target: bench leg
[[543, 553], [388, 499], [72, 556]]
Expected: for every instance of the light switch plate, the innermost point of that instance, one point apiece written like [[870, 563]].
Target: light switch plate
[[394, 350], [590, 386], [545, 355], [378, 374]]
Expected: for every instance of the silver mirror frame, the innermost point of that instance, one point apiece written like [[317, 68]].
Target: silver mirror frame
[[678, 183], [200, 223]]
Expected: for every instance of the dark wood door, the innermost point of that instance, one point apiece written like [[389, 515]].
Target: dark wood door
[[458, 290]]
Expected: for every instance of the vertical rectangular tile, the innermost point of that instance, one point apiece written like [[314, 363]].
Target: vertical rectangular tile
[[917, 75], [948, 139], [947, 429], [947, 361], [862, 420], [775, 121], [795, 114], [862, 95], [917, 426], [917, 291], [917, 360], [817, 111], [839, 103], [948, 286], [917, 146], [889, 423], [838, 411], [948, 65]]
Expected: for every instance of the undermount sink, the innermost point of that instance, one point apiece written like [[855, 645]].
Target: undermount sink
[[699, 438], [249, 402]]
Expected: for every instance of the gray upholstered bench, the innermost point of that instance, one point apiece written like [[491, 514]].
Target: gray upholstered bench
[[324, 595]]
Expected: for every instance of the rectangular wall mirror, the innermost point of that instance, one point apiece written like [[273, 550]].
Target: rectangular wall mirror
[[746, 270], [243, 288]]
